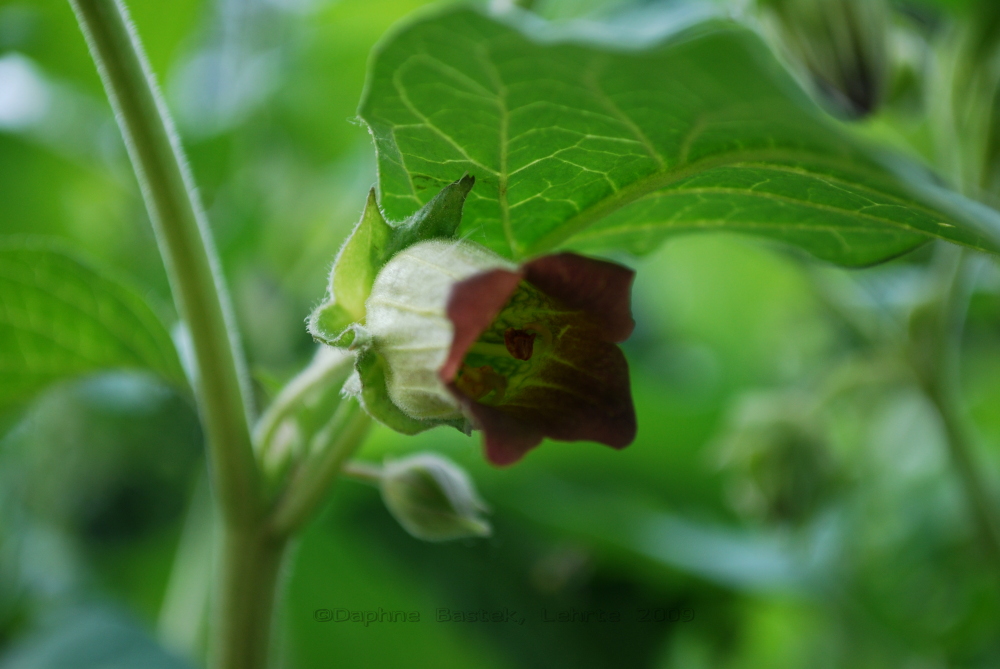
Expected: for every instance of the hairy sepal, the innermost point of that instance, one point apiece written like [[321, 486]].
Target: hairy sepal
[[371, 244], [372, 391]]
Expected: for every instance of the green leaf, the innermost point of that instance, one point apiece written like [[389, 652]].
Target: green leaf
[[370, 246], [60, 317], [618, 146]]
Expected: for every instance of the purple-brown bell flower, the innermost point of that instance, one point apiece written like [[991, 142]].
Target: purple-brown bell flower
[[521, 353]]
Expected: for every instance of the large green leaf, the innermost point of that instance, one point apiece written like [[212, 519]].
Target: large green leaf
[[604, 145], [60, 317]]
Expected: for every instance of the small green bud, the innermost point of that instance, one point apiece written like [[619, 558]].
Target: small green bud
[[408, 322], [433, 498], [299, 411], [779, 460]]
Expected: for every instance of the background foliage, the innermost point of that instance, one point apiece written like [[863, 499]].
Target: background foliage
[[790, 484]]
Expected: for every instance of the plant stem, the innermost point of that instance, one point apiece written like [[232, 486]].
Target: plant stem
[[330, 367], [939, 374], [330, 448], [250, 558], [250, 570], [982, 503], [188, 254], [366, 472]]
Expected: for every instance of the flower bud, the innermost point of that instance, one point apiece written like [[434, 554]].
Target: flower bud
[[841, 44], [781, 469], [433, 498]]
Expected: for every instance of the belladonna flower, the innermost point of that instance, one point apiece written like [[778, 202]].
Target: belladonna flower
[[455, 334], [523, 353]]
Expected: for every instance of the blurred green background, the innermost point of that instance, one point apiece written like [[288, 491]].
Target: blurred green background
[[790, 496]]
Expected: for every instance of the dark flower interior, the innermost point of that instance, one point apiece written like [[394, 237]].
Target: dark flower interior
[[534, 354]]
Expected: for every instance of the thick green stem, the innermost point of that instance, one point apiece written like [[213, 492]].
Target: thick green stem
[[186, 246], [936, 361], [249, 580], [250, 558]]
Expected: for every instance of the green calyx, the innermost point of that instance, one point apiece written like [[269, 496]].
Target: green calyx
[[340, 321], [370, 246], [372, 390]]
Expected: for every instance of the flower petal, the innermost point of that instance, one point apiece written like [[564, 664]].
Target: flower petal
[[472, 306], [567, 403], [601, 289], [578, 389]]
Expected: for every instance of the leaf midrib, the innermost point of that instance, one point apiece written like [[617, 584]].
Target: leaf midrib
[[655, 181]]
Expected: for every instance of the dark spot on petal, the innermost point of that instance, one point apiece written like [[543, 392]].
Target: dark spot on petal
[[520, 343], [472, 306]]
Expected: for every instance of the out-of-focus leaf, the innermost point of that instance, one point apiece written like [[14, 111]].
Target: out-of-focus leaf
[[61, 318], [321, 87], [604, 144], [47, 31], [91, 639], [743, 559]]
